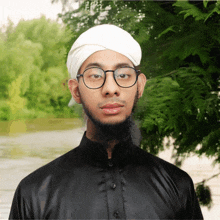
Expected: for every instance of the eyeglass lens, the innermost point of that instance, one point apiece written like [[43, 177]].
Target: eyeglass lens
[[95, 77]]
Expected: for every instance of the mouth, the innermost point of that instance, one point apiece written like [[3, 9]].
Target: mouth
[[111, 109]]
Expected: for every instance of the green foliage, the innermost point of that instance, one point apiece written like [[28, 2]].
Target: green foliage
[[179, 105], [161, 97], [204, 194], [190, 10], [4, 110], [15, 102], [33, 70]]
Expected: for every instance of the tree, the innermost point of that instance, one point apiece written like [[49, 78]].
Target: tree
[[33, 57], [180, 41], [15, 102]]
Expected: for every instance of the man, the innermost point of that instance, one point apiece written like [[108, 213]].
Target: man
[[107, 176]]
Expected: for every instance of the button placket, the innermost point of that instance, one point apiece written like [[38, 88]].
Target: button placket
[[114, 191], [110, 164]]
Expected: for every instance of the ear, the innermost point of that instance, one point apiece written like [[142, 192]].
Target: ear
[[74, 89], [141, 84]]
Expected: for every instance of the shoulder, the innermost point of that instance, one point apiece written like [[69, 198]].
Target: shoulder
[[163, 168], [37, 187], [173, 183], [166, 176], [53, 170]]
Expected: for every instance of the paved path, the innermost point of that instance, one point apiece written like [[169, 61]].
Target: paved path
[[13, 170]]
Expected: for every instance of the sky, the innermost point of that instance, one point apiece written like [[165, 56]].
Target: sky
[[27, 10]]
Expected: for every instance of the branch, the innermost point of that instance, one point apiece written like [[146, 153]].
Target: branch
[[170, 73], [205, 180]]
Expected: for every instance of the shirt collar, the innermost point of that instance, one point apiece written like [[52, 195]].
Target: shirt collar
[[96, 152]]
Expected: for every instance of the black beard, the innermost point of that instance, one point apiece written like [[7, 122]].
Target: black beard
[[109, 132], [106, 132]]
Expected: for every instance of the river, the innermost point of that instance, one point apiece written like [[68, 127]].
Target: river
[[25, 145]]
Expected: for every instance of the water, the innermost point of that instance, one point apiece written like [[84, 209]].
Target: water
[[17, 127], [43, 138], [27, 145]]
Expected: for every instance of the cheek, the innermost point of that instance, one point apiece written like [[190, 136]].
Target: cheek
[[89, 98], [130, 99]]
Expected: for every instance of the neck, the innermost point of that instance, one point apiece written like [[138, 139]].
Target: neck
[[93, 133], [110, 135]]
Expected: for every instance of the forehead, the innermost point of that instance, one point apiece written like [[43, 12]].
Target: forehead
[[106, 59]]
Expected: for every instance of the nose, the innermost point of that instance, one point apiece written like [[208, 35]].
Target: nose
[[110, 88]]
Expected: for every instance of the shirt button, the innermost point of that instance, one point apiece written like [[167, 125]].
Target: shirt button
[[110, 164], [116, 215], [113, 185]]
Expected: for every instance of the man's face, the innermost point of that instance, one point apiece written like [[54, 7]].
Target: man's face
[[96, 101]]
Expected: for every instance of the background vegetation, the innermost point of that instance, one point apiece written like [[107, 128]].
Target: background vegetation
[[32, 70]]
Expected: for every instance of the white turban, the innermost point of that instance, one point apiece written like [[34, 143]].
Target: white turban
[[102, 37]]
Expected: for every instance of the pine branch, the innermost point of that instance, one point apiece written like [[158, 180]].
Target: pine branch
[[206, 180]]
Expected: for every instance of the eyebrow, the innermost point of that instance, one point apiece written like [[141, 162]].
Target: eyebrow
[[95, 64]]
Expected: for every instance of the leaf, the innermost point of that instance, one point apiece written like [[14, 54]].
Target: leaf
[[167, 30], [190, 10], [216, 9], [205, 3], [204, 195]]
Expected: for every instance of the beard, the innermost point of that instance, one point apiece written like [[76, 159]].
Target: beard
[[118, 131]]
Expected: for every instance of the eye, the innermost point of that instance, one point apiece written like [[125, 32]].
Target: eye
[[125, 73], [93, 74], [96, 76], [123, 76]]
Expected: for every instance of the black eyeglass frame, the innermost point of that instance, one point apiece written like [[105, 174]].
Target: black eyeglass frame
[[138, 72]]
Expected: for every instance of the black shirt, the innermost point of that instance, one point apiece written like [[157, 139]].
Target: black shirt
[[85, 184]]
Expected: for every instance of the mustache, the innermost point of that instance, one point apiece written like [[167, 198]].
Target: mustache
[[112, 100]]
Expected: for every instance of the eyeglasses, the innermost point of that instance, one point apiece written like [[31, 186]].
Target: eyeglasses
[[94, 77]]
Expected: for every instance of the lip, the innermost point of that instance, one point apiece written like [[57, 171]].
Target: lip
[[111, 109], [112, 105]]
